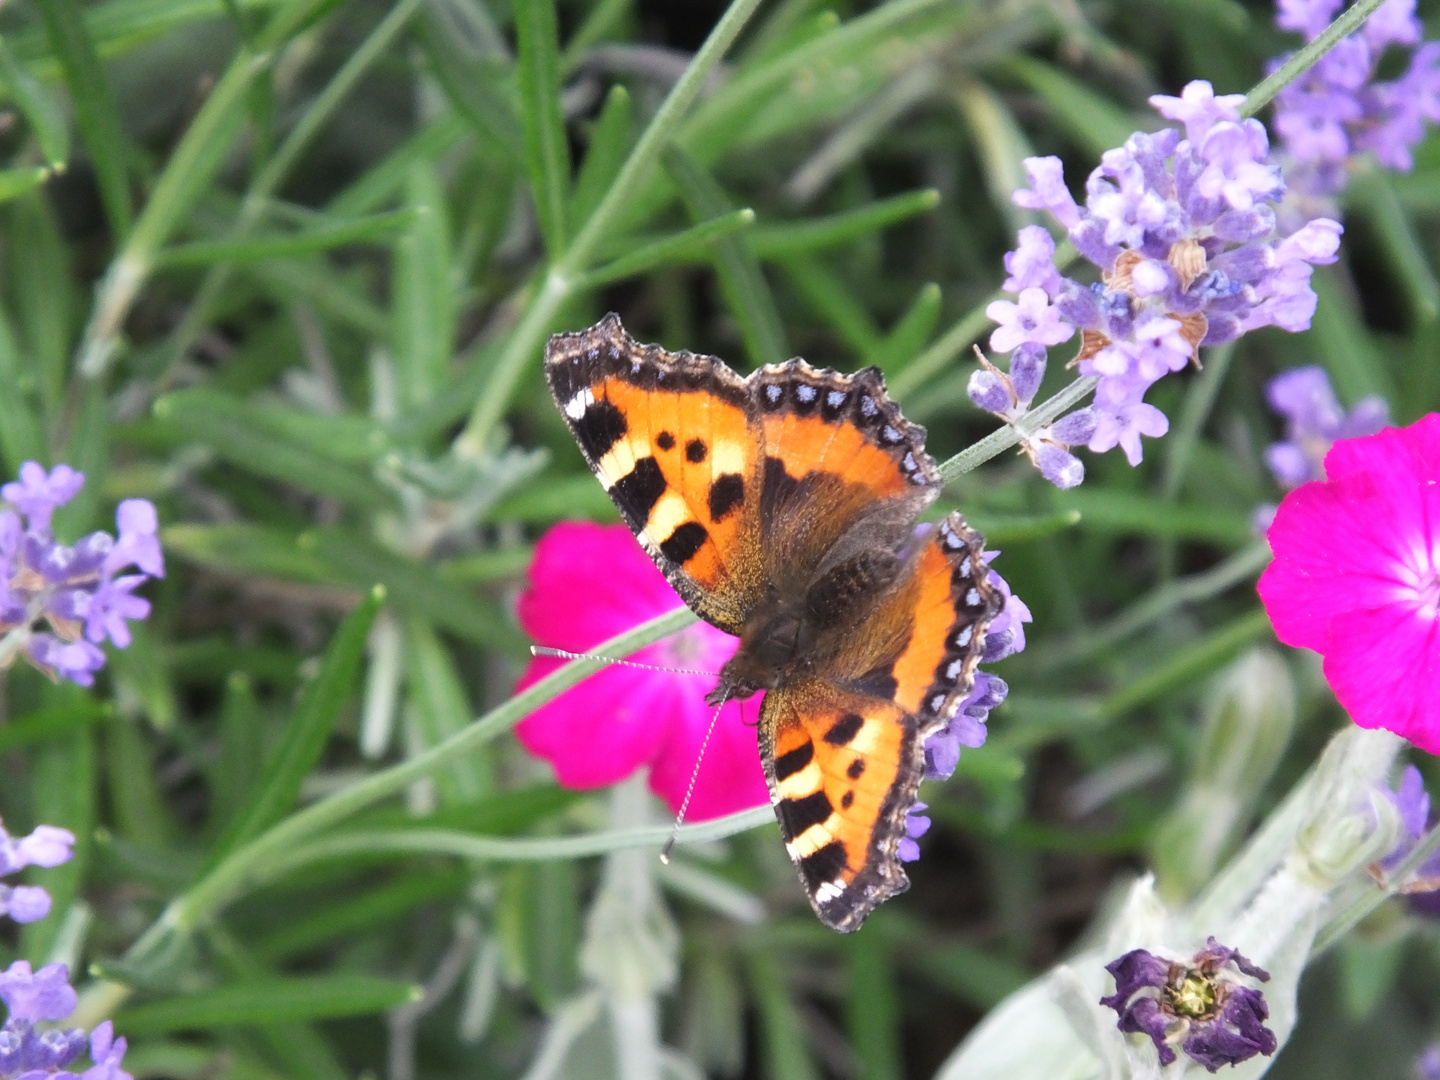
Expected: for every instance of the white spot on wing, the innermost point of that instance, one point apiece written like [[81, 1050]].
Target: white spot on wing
[[830, 890], [576, 406]]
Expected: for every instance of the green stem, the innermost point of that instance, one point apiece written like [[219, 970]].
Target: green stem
[[1345, 920], [560, 280], [208, 895], [1003, 438], [1347, 23]]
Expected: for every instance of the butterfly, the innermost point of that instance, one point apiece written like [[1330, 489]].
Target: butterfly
[[781, 506]]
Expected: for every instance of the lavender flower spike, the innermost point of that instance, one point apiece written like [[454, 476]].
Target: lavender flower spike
[[38, 495], [1314, 421]]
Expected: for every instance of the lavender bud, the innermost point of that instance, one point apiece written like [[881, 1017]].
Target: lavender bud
[[1059, 466], [1027, 370], [988, 390], [1075, 429]]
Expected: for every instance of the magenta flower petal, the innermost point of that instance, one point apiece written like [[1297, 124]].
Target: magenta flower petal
[[1356, 577], [589, 583]]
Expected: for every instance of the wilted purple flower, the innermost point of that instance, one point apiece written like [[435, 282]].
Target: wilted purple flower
[[1005, 636], [1183, 233], [916, 826], [1203, 1005], [73, 589], [1314, 421], [1338, 109]]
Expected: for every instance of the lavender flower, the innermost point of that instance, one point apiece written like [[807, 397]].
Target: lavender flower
[[1183, 233], [917, 824], [47, 846], [72, 589], [28, 1054], [1202, 1005], [1314, 421], [1427, 1065], [1005, 636], [1338, 110]]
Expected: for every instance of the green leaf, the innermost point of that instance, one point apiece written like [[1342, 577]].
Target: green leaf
[[333, 296], [689, 245], [1373, 194], [244, 436], [1126, 512], [88, 451], [485, 566], [786, 1048], [324, 237], [559, 499], [547, 153], [831, 299], [1013, 529], [268, 1001], [370, 910], [95, 112], [1097, 123], [306, 733], [42, 285], [742, 282], [780, 241], [139, 810], [251, 550], [440, 709], [1343, 344], [142, 675], [17, 182], [44, 113], [610, 141], [909, 334], [478, 87], [382, 181], [1001, 145], [241, 751], [872, 1008], [20, 438], [423, 311], [52, 722]]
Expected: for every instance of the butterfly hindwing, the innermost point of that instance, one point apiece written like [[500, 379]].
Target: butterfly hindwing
[[669, 436]]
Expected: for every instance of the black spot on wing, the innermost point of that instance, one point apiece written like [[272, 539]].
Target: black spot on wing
[[856, 769], [791, 762], [599, 428], [878, 682], [665, 441], [695, 451], [726, 493], [823, 864], [640, 489], [797, 815], [847, 800], [779, 488], [684, 542], [844, 729]]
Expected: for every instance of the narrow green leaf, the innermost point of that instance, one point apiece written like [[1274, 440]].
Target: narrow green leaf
[[909, 334], [1343, 344], [372, 909], [143, 677], [1374, 195], [306, 734], [552, 931], [241, 435], [20, 438], [742, 282], [51, 723], [1128, 512], [1097, 123], [323, 237], [88, 451], [872, 1008], [119, 26], [831, 299], [1006, 529], [43, 112], [547, 153], [1001, 145], [440, 709], [95, 112], [42, 286], [269, 1001], [485, 566], [383, 180], [64, 781], [333, 296], [140, 814], [241, 750], [610, 141], [423, 307], [17, 182], [689, 245], [478, 87], [603, 19], [815, 234], [251, 550], [786, 1048]]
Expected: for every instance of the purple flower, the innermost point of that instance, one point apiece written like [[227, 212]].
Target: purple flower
[[1122, 425], [106, 1052], [24, 903], [41, 995], [916, 826], [1427, 1065], [1198, 108], [1031, 321], [1314, 421], [74, 660], [109, 607], [1032, 264], [1201, 1004], [38, 495], [138, 544]]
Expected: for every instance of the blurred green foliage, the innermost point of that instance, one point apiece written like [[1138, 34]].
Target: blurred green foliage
[[286, 267]]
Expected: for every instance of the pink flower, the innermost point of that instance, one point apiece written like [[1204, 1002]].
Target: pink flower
[[1356, 577], [588, 583]]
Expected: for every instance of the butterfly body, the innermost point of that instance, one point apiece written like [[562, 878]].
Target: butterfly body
[[782, 508]]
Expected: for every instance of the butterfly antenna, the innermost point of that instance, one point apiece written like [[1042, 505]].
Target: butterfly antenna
[[690, 791], [543, 650]]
